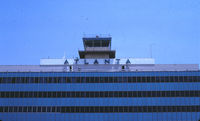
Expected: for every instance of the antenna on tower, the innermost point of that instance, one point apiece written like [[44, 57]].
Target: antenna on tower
[[64, 56], [151, 49]]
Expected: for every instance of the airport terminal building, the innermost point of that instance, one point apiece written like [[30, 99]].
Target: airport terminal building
[[98, 86]]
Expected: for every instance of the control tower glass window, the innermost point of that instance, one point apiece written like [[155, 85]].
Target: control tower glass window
[[105, 43], [97, 43], [89, 43]]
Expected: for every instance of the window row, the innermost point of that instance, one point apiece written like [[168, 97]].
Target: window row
[[99, 79], [100, 94], [100, 109]]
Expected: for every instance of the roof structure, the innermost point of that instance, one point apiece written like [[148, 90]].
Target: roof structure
[[97, 56], [97, 47]]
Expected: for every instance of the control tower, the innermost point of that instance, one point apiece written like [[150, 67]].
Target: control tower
[[97, 47]]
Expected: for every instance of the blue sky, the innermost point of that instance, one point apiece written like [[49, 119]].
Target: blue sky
[[34, 29]]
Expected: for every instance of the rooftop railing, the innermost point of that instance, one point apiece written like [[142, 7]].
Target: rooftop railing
[[96, 35]]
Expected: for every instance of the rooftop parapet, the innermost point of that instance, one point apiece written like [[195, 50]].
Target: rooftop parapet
[[77, 61], [100, 68]]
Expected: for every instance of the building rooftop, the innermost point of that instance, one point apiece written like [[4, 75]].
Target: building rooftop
[[99, 68], [97, 56]]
